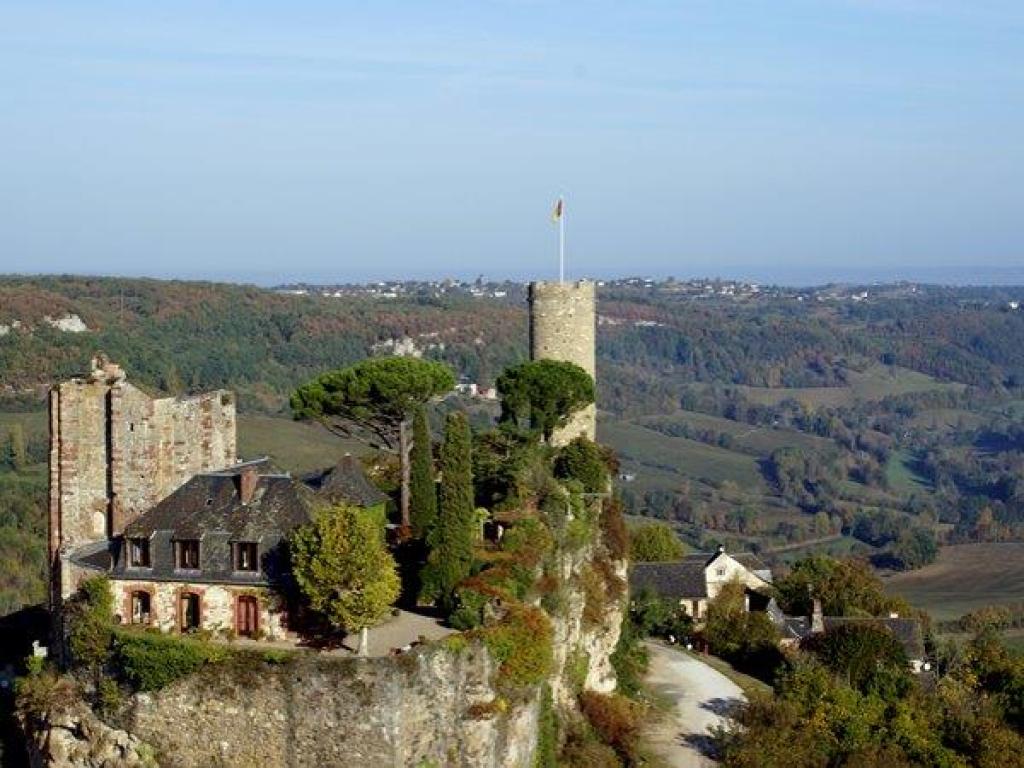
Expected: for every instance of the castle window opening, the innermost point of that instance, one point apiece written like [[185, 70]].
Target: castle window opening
[[186, 554], [140, 607], [138, 553], [246, 556], [188, 611]]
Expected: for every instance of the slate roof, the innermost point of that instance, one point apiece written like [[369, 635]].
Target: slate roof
[[209, 508], [686, 579], [683, 579], [346, 482]]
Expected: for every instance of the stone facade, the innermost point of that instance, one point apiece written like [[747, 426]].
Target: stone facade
[[563, 326], [115, 451], [218, 606]]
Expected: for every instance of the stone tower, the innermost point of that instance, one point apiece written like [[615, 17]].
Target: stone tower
[[115, 451], [563, 319]]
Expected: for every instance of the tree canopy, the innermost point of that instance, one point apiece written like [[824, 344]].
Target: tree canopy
[[422, 488], [374, 396], [546, 392], [344, 569], [654, 543], [451, 541]]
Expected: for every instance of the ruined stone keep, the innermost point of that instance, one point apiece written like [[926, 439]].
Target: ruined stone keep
[[115, 452], [563, 320]]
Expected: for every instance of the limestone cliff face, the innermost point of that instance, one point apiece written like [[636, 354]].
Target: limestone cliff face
[[437, 706]]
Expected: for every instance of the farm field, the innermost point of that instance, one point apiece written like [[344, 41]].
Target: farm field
[[759, 440], [644, 448], [965, 577], [294, 446], [872, 384]]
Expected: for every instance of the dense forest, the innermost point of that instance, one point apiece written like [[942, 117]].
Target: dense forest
[[881, 420]]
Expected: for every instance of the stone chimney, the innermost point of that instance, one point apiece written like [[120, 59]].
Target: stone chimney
[[247, 480], [817, 619]]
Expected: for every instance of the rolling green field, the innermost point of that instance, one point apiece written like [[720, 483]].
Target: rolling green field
[[872, 384], [294, 446], [759, 440], [965, 577], [901, 475], [651, 452]]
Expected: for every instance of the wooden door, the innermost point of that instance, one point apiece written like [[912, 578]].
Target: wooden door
[[247, 620]]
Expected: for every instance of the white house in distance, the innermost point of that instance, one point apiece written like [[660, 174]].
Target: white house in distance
[[698, 578]]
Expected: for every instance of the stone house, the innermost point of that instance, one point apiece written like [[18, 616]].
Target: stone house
[[698, 578], [150, 492], [211, 555]]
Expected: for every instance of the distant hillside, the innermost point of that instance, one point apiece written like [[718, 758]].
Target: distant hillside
[[880, 419]]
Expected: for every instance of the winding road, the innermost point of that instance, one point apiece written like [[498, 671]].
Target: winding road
[[701, 699]]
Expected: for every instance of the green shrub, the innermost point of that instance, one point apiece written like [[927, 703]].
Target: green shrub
[[616, 720], [42, 692], [585, 461], [150, 661], [521, 644]]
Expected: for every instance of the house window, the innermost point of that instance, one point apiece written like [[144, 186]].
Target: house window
[[188, 611], [246, 556], [138, 553], [720, 571], [140, 607], [186, 554], [247, 615]]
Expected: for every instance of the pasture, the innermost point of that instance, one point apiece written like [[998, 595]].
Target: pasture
[[874, 383], [964, 578], [649, 450], [751, 439], [294, 446]]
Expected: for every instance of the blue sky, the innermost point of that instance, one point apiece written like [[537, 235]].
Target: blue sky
[[790, 139]]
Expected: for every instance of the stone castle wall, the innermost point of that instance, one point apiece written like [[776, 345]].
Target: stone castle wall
[[115, 451], [563, 326]]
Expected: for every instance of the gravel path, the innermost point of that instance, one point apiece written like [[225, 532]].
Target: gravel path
[[701, 697]]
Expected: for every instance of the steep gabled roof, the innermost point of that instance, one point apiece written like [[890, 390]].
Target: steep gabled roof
[[212, 501], [346, 482], [683, 579]]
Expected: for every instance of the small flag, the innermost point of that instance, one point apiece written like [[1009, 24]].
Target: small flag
[[557, 213]]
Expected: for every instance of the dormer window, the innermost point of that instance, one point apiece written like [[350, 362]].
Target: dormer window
[[246, 556], [186, 554], [138, 553]]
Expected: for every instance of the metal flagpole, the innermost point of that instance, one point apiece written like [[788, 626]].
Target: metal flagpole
[[561, 240]]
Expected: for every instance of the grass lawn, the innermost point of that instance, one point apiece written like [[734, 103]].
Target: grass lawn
[[650, 451], [294, 446], [874, 383], [965, 577]]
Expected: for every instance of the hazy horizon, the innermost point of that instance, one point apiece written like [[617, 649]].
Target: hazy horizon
[[952, 276], [807, 139]]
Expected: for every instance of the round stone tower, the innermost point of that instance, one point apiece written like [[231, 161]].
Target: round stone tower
[[563, 321]]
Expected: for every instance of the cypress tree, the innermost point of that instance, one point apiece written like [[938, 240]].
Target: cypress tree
[[422, 490], [451, 541]]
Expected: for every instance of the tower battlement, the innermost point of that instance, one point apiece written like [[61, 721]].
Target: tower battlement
[[563, 323]]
